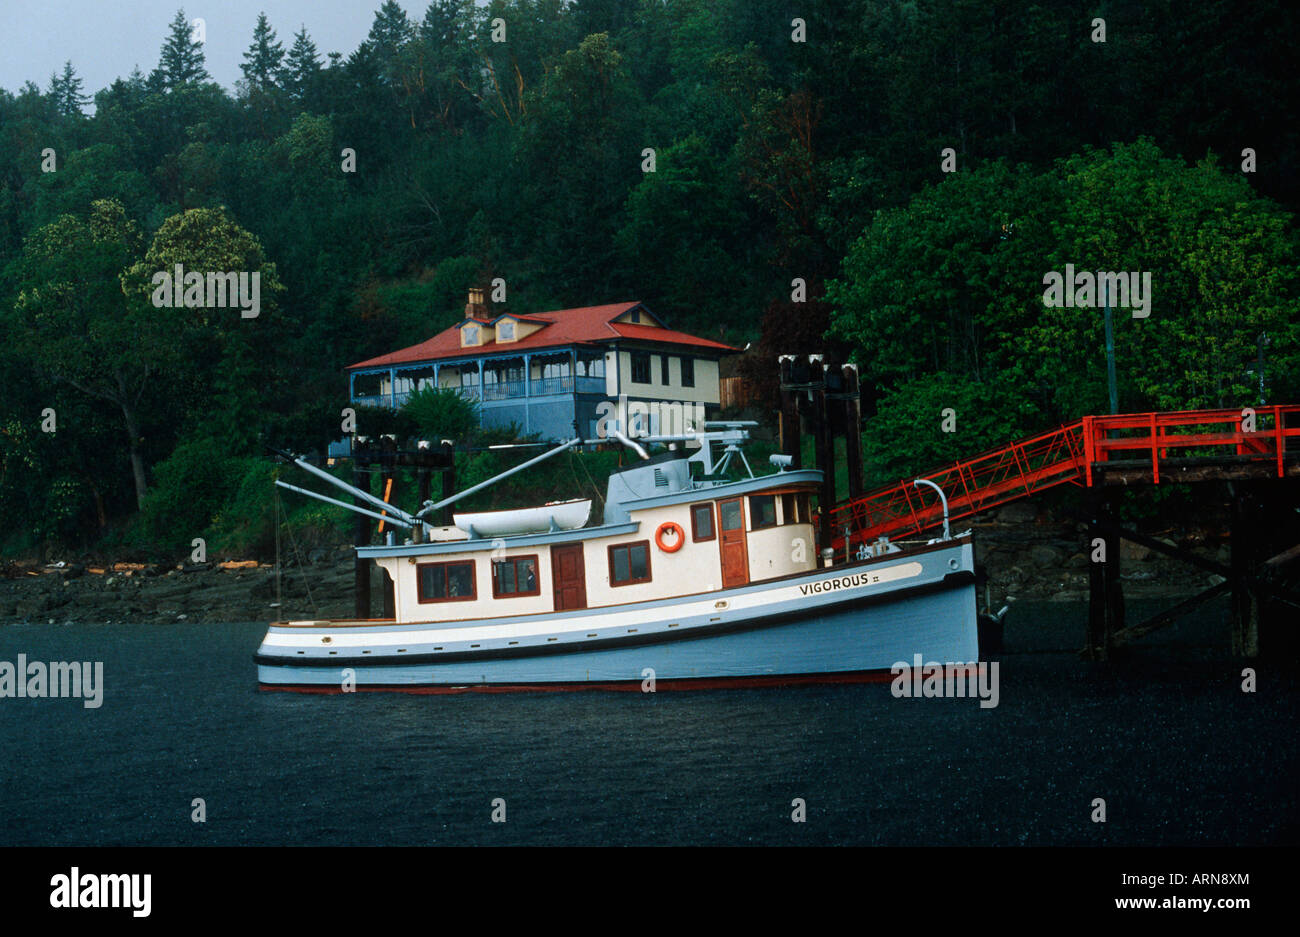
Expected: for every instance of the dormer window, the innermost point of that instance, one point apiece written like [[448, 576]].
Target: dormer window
[[469, 335], [505, 331]]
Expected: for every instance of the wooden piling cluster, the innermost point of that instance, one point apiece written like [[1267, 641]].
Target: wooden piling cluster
[[425, 459], [1264, 545], [826, 399]]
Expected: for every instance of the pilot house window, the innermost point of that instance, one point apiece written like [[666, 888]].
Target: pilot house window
[[629, 563], [446, 582], [702, 522], [762, 511], [515, 576]]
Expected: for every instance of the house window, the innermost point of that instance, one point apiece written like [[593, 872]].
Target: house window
[[590, 365], [515, 576], [762, 511], [663, 369], [702, 522], [629, 563], [640, 367], [688, 372], [505, 331], [470, 335], [446, 582]]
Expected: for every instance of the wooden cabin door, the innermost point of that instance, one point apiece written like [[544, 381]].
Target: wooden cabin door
[[569, 577], [731, 541]]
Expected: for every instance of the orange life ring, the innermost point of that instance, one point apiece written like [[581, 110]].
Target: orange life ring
[[675, 528]]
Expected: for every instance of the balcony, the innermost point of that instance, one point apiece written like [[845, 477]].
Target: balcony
[[503, 390], [499, 390]]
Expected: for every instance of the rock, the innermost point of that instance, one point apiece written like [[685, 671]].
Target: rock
[[1128, 550], [74, 571], [1045, 556], [317, 556], [1018, 512], [1078, 561], [27, 609]]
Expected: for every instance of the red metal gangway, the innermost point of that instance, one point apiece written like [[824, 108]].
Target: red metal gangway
[[1074, 454]]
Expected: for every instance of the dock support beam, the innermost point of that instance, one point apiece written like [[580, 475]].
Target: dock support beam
[[390, 491], [791, 441], [361, 537], [825, 449], [448, 482], [852, 430], [1245, 534], [1105, 594]]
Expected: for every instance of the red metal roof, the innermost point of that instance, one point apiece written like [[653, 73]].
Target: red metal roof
[[584, 325]]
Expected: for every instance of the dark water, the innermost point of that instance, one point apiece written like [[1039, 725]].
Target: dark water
[[1165, 736]]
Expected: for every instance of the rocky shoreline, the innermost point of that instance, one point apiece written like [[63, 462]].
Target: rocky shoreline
[[1027, 555]]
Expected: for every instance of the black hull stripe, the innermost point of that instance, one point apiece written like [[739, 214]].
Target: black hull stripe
[[949, 581]]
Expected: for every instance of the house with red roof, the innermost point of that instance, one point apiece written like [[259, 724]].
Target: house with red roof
[[558, 374]]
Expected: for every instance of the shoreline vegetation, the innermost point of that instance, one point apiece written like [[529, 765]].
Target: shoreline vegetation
[[1028, 553]]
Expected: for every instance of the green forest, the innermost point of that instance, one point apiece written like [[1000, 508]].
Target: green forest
[[884, 181]]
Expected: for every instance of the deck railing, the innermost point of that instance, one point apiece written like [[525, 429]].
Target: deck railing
[[501, 390]]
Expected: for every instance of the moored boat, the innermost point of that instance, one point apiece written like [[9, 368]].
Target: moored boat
[[690, 579]]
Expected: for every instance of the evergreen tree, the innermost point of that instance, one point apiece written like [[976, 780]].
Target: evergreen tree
[[65, 92], [389, 34], [301, 65], [181, 61], [261, 66]]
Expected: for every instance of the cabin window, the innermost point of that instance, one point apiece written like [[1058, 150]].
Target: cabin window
[[515, 576], [688, 372], [789, 509], [640, 367], [702, 522], [663, 369], [629, 563], [446, 582], [803, 507], [762, 511], [732, 517]]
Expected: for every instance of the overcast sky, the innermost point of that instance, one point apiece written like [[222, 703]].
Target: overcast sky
[[105, 39]]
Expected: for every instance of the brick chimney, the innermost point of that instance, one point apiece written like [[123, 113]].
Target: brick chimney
[[475, 308]]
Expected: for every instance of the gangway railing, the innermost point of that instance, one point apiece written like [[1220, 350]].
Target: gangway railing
[[1077, 453]]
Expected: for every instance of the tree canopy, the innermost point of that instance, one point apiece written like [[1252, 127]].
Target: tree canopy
[[755, 173]]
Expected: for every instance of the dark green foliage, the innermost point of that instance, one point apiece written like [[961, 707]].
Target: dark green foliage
[[442, 414], [523, 159]]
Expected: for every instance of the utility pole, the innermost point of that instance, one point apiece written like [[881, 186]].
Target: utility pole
[[1110, 355]]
